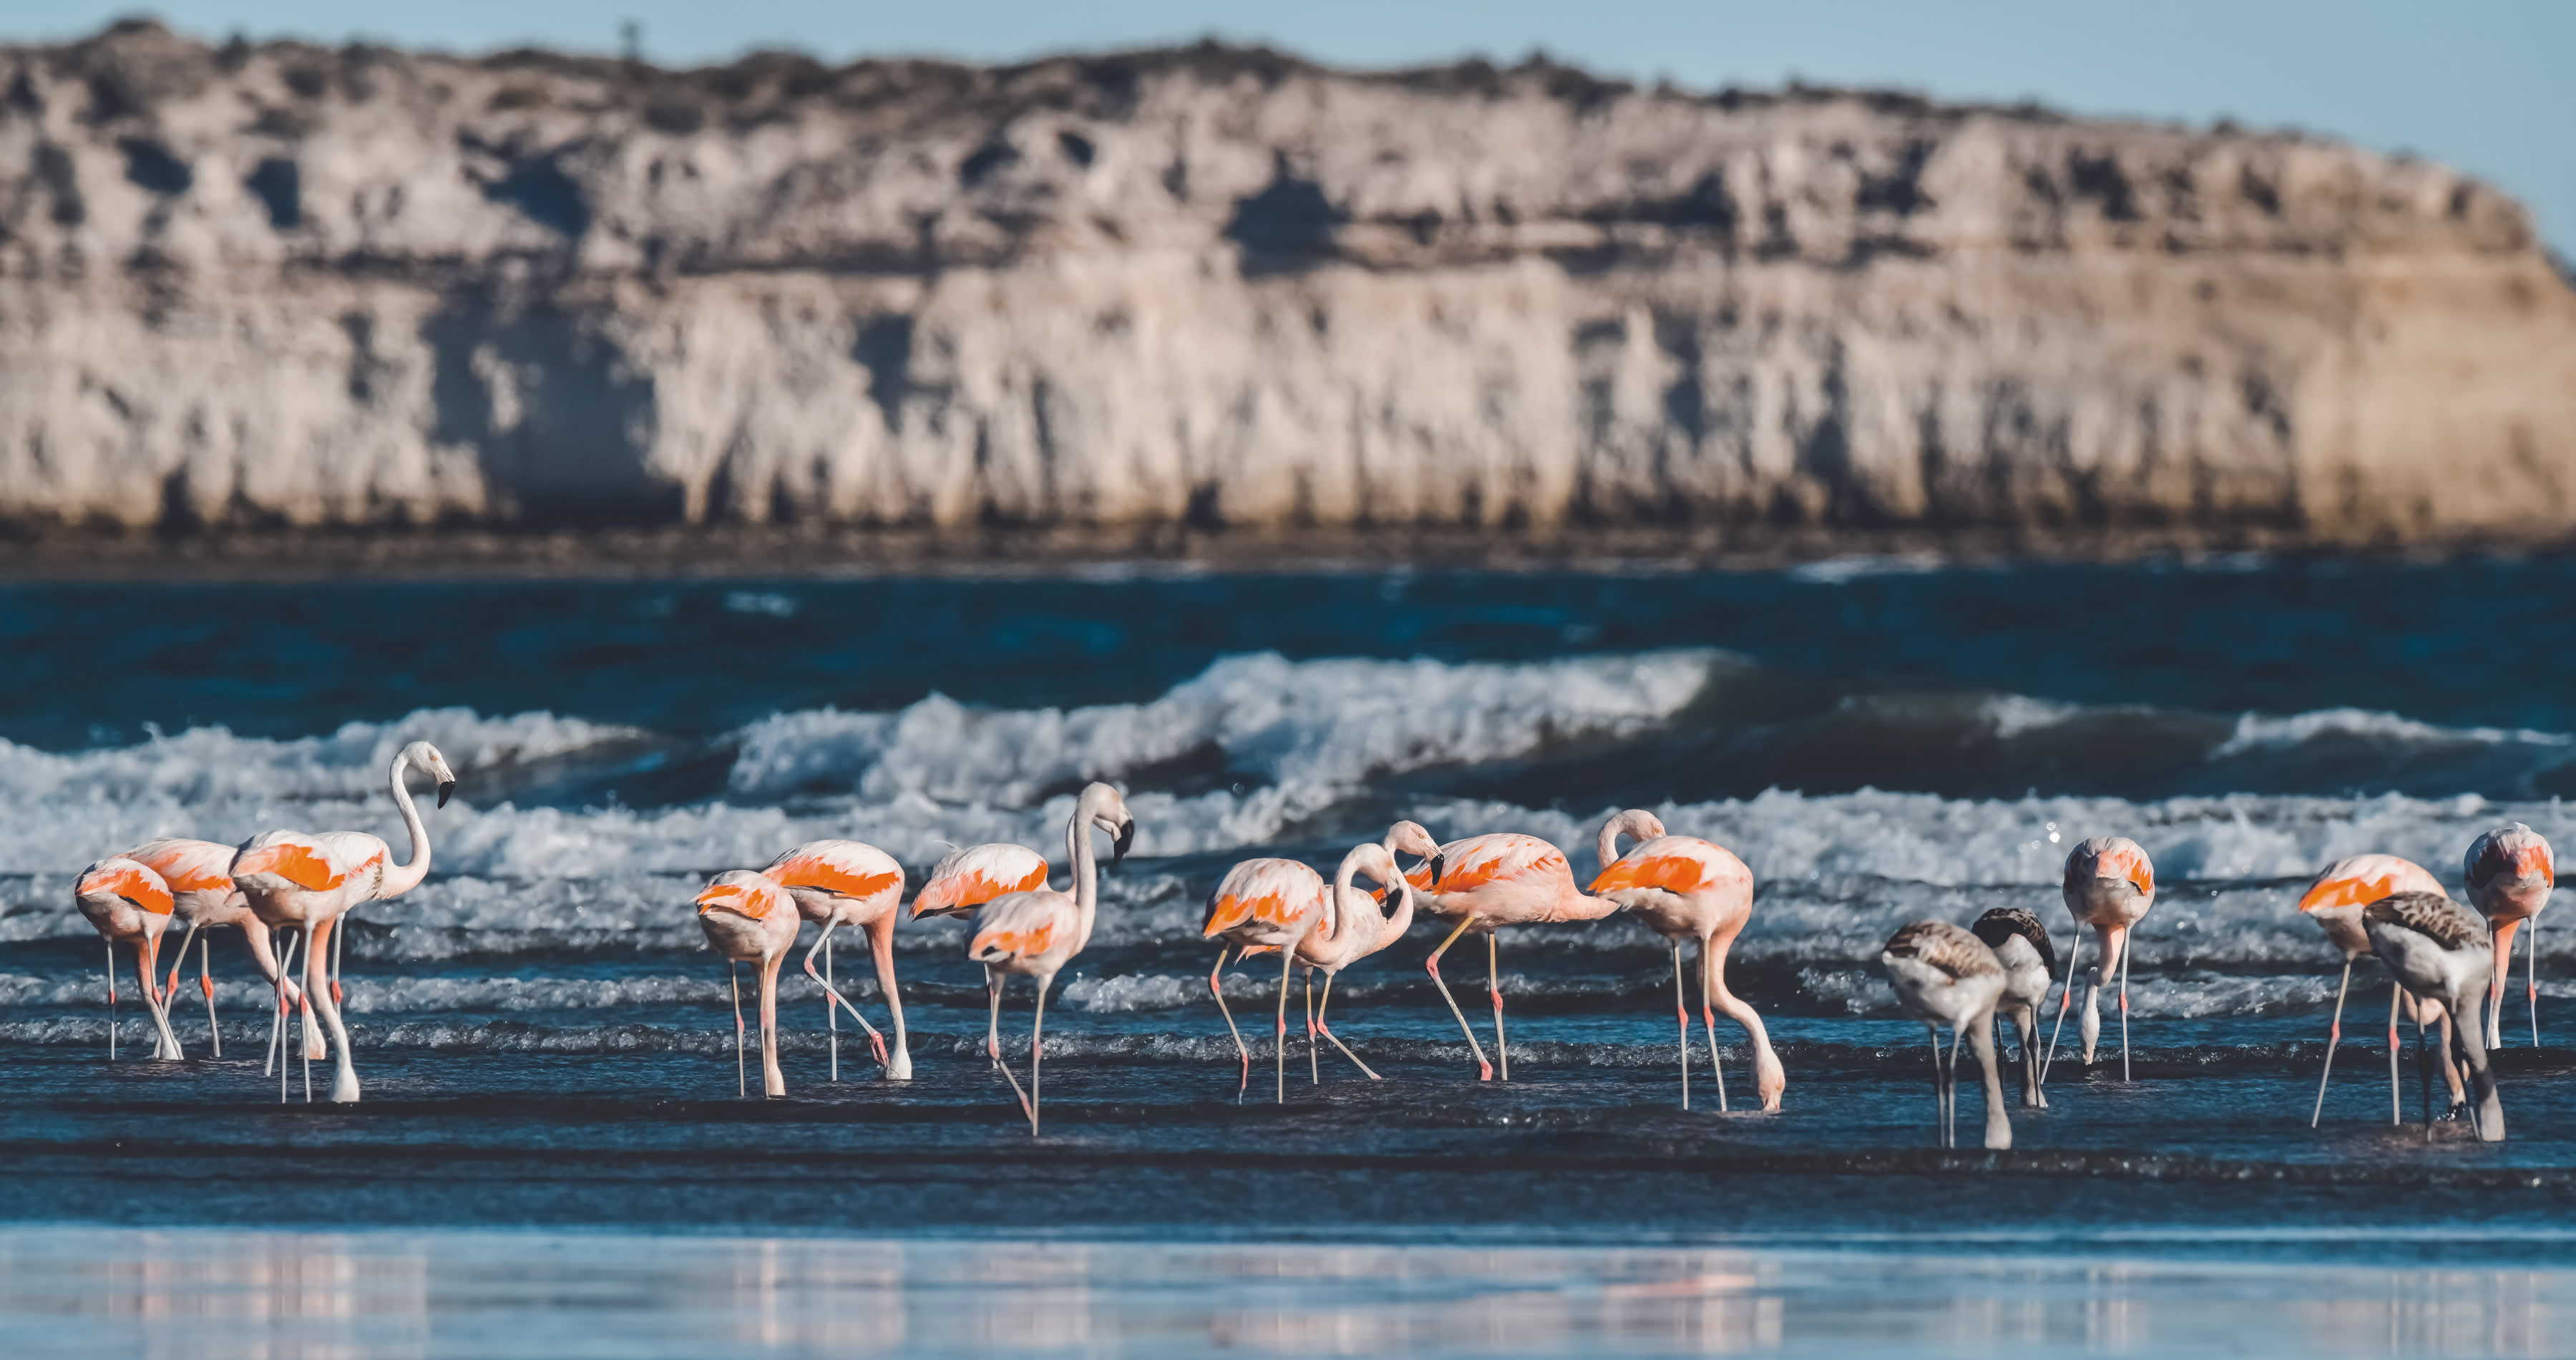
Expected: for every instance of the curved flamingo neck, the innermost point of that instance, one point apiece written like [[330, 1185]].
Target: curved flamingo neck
[[402, 878], [1607, 849], [1086, 873]]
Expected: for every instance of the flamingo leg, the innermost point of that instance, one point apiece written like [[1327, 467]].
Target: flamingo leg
[[206, 984], [993, 989], [180, 960], [2065, 999], [2531, 978], [2396, 1115], [339, 934], [2334, 1035], [1037, 1047], [344, 1076], [156, 1002], [2424, 1074], [834, 1003], [881, 948], [1287, 957], [1325, 1025], [741, 1064], [1940, 1100], [1484, 1069], [2127, 952], [1494, 983], [773, 1082], [1950, 1084], [1709, 986], [1681, 1009], [1314, 1068], [1216, 988], [2486, 1112], [277, 1022], [1981, 1039], [111, 1001], [2491, 1002]]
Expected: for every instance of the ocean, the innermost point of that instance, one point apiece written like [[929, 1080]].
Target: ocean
[[551, 1143]]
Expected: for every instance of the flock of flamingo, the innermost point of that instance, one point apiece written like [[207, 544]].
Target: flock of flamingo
[[2450, 961]]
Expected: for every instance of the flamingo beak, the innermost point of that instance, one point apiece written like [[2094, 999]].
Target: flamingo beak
[[1126, 837], [445, 787], [1437, 866]]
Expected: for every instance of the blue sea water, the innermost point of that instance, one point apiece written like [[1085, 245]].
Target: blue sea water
[[551, 1137]]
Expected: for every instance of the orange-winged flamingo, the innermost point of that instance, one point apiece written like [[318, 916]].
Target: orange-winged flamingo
[[968, 878], [308, 882], [1261, 905], [130, 905], [2110, 885], [2022, 946], [847, 883], [1352, 930], [2440, 950], [2509, 878], [1944, 975], [1037, 931], [2335, 900], [202, 894], [1685, 888], [1485, 883], [750, 919]]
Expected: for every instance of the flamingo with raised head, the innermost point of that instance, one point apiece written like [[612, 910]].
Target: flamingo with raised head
[[199, 876], [848, 883], [1485, 883], [1352, 930], [2509, 878], [749, 918], [2022, 946], [2335, 900], [1685, 888], [130, 905], [309, 882], [1944, 975], [1261, 905], [2440, 950], [2110, 885], [966, 879], [1034, 933]]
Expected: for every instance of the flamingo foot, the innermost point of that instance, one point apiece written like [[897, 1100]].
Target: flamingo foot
[[877, 1042], [1484, 1071]]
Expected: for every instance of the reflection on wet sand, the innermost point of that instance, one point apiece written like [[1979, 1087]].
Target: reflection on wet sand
[[305, 1296]]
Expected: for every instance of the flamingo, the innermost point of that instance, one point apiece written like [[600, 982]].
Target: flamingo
[[309, 882], [2110, 885], [966, 879], [847, 883], [1352, 930], [130, 905], [1685, 888], [202, 893], [1946, 976], [1485, 883], [1035, 932], [2509, 877], [1261, 905], [2335, 900], [2440, 950], [2022, 946], [749, 918]]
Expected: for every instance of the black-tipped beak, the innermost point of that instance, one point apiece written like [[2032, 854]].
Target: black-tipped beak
[[445, 787], [1436, 867], [1126, 837]]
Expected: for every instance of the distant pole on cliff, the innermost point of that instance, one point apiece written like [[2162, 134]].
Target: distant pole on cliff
[[631, 35]]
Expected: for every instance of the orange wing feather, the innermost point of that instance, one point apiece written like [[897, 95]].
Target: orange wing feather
[[297, 864]]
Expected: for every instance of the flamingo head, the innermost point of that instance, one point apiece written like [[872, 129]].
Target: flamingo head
[[1101, 806], [1408, 838], [740, 892], [2109, 863], [2513, 855], [116, 879], [420, 755]]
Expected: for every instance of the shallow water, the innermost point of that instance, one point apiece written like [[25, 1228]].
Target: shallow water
[[547, 1045]]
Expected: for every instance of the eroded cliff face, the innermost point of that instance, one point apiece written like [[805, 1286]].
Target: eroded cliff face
[[283, 285]]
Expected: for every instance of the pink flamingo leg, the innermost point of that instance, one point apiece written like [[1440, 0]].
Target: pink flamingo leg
[[1314, 1068], [2334, 1035], [111, 1001], [1681, 1010], [1287, 957], [1484, 1069], [1216, 988], [741, 1065], [206, 984], [834, 1003], [1321, 1023], [1494, 983], [993, 988]]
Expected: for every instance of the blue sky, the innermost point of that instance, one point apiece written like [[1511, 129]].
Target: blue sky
[[2487, 85]]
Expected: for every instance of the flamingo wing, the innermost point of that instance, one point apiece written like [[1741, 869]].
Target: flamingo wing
[[188, 866], [966, 879], [2364, 879], [1503, 857], [1280, 894], [1676, 864], [1021, 924], [843, 868], [301, 861]]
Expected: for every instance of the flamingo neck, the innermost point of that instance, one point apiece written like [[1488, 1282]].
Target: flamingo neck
[[404, 877], [1607, 850], [1086, 874]]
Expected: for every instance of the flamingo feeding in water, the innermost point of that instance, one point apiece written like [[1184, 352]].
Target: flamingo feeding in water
[[2110, 885], [1352, 930], [2440, 950], [1261, 905], [1485, 883], [2022, 946], [2509, 878], [130, 905], [2335, 900], [1035, 932], [966, 879], [847, 883], [749, 918], [309, 882], [1685, 888], [1946, 976], [198, 874]]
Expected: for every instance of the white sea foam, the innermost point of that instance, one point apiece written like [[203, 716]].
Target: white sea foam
[[2260, 732]]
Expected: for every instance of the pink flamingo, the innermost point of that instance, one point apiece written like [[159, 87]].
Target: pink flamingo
[[750, 919], [2509, 878], [1685, 888], [847, 883], [308, 882], [199, 876], [2110, 885], [2335, 900], [1034, 933], [1262, 905], [1352, 929], [130, 905], [966, 879], [1485, 883]]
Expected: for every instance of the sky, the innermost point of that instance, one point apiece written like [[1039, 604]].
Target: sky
[[2485, 85]]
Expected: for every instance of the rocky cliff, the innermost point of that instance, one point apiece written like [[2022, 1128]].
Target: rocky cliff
[[289, 286]]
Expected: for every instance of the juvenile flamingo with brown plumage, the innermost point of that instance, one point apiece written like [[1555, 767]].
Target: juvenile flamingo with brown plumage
[[1685, 888], [1036, 932], [2335, 900], [1944, 975], [2022, 946], [2440, 950], [1485, 883]]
